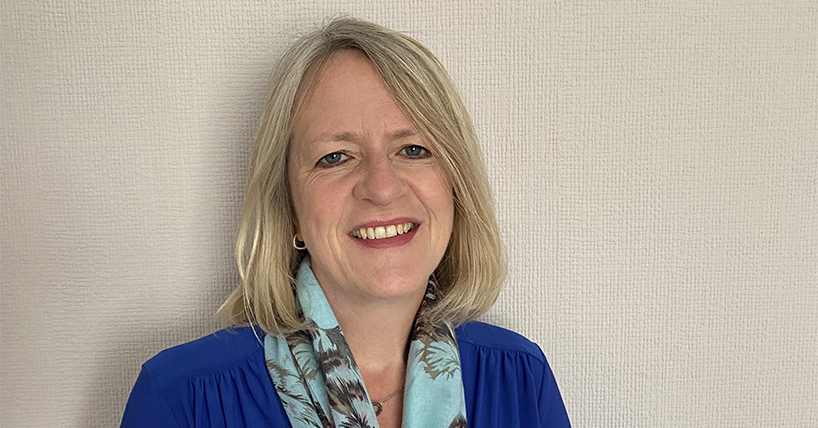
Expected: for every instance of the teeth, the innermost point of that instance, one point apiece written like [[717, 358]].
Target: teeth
[[382, 232]]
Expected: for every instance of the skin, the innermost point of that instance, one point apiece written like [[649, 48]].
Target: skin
[[356, 158]]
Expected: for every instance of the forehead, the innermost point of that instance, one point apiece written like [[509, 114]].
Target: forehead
[[348, 96]]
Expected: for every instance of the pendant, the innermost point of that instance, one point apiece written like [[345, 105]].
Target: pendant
[[378, 408]]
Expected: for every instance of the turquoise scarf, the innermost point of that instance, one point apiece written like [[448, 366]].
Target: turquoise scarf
[[319, 383]]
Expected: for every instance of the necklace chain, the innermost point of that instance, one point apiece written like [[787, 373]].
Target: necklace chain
[[378, 405]]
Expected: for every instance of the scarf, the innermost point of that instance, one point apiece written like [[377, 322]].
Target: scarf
[[319, 383]]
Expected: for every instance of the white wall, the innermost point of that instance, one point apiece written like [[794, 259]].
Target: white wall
[[655, 164]]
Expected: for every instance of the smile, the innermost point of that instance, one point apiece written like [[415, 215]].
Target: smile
[[382, 232]]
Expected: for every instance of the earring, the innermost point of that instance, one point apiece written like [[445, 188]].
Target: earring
[[299, 245]]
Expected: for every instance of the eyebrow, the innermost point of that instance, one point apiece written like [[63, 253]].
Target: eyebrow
[[403, 133], [350, 136]]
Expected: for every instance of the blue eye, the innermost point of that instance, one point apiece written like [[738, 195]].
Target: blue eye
[[333, 158], [415, 151]]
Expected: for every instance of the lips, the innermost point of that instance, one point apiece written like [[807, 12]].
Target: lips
[[383, 232]]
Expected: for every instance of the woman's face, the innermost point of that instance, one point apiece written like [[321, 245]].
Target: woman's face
[[357, 166]]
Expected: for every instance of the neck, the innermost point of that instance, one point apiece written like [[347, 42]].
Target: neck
[[378, 332]]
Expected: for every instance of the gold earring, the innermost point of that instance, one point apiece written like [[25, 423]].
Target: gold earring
[[296, 242]]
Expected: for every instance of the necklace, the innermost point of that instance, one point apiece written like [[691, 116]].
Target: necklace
[[378, 405]]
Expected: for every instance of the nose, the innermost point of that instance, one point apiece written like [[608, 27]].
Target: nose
[[380, 181]]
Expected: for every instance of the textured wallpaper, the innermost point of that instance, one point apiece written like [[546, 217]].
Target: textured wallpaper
[[655, 167]]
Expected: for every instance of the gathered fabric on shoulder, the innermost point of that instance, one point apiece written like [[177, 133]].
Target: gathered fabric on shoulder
[[221, 380]]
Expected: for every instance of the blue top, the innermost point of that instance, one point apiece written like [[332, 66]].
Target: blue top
[[221, 380]]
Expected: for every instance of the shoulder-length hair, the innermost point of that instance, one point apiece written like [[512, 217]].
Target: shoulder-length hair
[[473, 267]]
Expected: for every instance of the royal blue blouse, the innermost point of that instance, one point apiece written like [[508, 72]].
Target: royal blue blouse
[[221, 380]]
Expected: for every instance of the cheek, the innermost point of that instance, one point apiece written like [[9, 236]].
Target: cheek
[[319, 209], [298, 204], [308, 210], [445, 190], [440, 194]]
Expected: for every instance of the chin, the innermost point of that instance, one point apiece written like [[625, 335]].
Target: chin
[[395, 284]]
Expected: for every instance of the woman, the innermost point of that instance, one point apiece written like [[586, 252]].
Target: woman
[[369, 213]]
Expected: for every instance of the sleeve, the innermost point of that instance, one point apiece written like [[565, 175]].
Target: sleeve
[[147, 405], [552, 409]]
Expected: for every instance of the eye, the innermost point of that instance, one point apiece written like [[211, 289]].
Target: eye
[[415, 151], [332, 159]]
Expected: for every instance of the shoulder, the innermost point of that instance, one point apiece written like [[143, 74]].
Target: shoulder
[[507, 378], [222, 376], [474, 336], [208, 355]]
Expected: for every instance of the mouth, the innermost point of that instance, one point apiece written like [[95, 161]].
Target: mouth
[[383, 231]]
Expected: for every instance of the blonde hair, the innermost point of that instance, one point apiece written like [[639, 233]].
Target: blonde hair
[[473, 266]]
